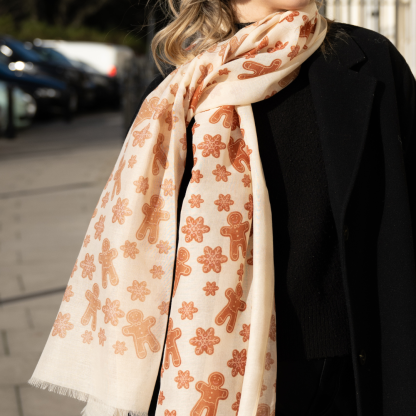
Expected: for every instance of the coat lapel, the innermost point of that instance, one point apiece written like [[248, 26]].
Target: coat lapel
[[343, 101]]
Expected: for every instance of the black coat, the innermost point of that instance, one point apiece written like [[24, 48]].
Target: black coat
[[365, 101]]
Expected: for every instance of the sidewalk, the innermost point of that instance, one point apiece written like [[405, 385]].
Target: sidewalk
[[51, 178]]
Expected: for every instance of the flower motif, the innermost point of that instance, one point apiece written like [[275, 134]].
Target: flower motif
[[245, 332], [132, 161], [187, 310], [210, 288], [163, 247], [105, 200], [269, 361], [112, 312], [130, 249], [68, 294], [272, 330], [195, 229], [183, 141], [196, 201], [246, 180], [212, 259], [196, 176], [236, 405], [221, 173], [161, 397], [120, 347], [120, 210], [211, 145], [183, 379], [62, 325], [172, 413], [238, 362], [86, 240], [101, 336], [95, 212], [141, 136], [87, 265], [87, 337], [224, 202], [157, 272], [204, 341], [75, 268], [99, 227], [164, 308], [194, 127], [249, 206], [138, 291], [142, 185], [168, 187], [240, 272]]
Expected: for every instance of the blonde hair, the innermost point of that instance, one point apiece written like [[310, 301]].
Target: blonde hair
[[210, 20]]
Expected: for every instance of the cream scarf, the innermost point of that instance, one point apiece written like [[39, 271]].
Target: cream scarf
[[219, 356]]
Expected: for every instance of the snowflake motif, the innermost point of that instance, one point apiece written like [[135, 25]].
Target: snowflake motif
[[249, 206], [138, 291], [87, 337], [99, 227], [211, 145], [157, 272], [187, 310], [183, 379], [294, 51], [196, 176], [101, 336], [212, 259], [269, 361], [161, 397], [168, 187], [88, 266], [221, 173], [272, 330], [86, 240], [195, 229], [120, 210], [68, 294], [163, 247], [183, 141], [172, 413], [196, 201], [75, 268], [263, 388], [194, 127], [246, 181], [236, 405], [142, 185], [210, 288], [238, 362], [62, 325], [130, 249], [120, 347], [132, 161], [224, 202], [141, 136], [245, 332], [94, 213], [112, 312], [164, 308], [240, 272], [204, 341]]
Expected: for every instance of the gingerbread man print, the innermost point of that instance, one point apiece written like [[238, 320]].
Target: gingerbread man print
[[238, 155], [182, 269], [106, 258], [259, 69], [139, 329], [171, 348], [230, 117], [211, 394], [236, 231], [263, 410], [117, 177], [231, 309], [153, 215], [92, 308], [160, 156]]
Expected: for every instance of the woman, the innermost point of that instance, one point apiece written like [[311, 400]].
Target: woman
[[296, 172]]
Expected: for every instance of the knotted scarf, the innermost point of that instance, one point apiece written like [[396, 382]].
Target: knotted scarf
[[218, 342]]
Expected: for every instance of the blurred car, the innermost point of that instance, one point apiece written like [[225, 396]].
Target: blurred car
[[24, 107]]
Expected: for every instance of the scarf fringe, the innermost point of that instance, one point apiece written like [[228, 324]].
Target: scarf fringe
[[90, 409]]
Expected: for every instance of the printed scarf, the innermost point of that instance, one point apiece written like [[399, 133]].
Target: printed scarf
[[216, 326]]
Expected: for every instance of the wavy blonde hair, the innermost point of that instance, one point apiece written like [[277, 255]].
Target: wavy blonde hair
[[210, 20]]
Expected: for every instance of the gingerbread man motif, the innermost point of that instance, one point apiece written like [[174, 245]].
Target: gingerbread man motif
[[231, 118], [171, 348], [106, 259], [146, 111], [153, 215], [141, 333], [259, 69], [263, 410], [231, 309], [117, 178], [237, 232], [160, 155], [182, 269], [211, 394], [92, 308], [238, 154]]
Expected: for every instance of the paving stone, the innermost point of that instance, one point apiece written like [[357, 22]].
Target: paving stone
[[8, 402], [18, 369], [13, 317], [32, 341]]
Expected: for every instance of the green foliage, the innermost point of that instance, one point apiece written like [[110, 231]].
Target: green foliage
[[27, 30]]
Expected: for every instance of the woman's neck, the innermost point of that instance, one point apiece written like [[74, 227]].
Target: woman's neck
[[248, 11]]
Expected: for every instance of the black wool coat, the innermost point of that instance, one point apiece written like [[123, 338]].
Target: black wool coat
[[364, 96]]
